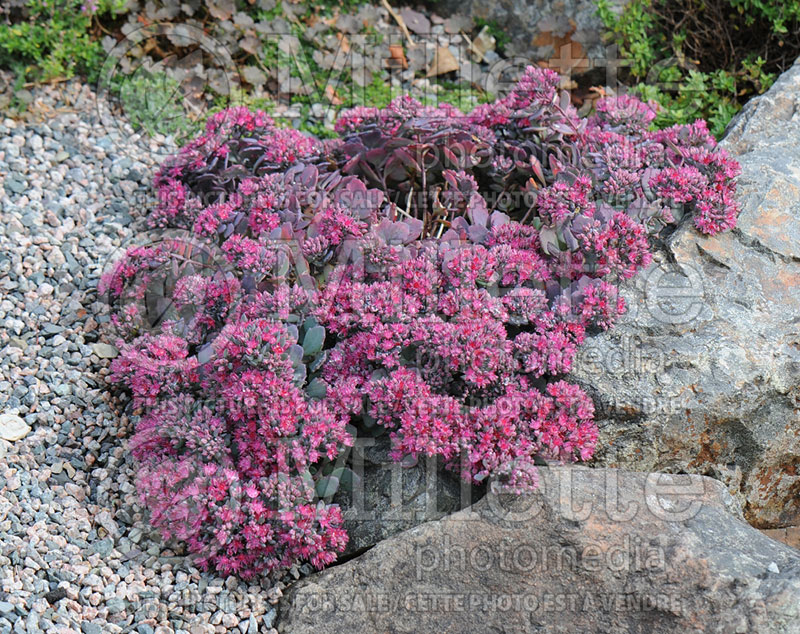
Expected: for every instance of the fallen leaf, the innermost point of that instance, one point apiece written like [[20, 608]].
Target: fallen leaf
[[456, 23], [254, 76], [443, 62], [343, 42], [398, 56], [330, 93], [368, 15], [221, 9], [150, 10], [348, 24], [251, 44], [483, 43], [243, 20]]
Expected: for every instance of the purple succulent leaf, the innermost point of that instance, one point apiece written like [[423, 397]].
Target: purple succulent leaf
[[569, 239], [477, 212], [549, 241], [478, 234], [309, 176], [395, 170], [498, 218], [604, 212], [415, 227]]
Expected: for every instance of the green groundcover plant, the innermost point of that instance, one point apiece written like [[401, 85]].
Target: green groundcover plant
[[703, 58], [44, 40]]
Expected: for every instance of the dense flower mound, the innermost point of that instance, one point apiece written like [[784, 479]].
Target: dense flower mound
[[429, 274]]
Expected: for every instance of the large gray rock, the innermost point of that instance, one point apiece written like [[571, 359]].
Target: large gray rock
[[390, 497], [592, 550], [702, 376]]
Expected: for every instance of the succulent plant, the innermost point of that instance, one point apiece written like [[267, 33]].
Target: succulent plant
[[430, 275]]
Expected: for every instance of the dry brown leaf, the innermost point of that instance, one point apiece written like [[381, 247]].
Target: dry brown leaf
[[398, 56], [250, 44], [483, 43], [221, 10], [456, 23], [343, 42], [443, 62], [330, 93], [254, 75]]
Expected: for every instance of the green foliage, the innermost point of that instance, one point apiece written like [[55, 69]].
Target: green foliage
[[331, 7], [634, 31], [152, 101], [51, 39], [697, 95], [779, 14], [462, 95], [666, 62], [377, 94], [270, 14]]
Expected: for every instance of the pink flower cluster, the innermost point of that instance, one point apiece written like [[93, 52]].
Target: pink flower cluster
[[430, 274], [236, 142], [224, 446], [448, 359], [660, 176]]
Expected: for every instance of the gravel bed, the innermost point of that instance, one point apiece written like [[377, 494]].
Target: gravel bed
[[76, 553]]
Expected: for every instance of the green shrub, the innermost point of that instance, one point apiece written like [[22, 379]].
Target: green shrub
[[53, 39], [703, 58]]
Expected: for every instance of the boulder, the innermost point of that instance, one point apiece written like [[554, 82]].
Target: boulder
[[702, 375], [591, 550], [389, 497]]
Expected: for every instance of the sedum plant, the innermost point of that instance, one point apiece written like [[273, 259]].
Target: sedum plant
[[427, 274]]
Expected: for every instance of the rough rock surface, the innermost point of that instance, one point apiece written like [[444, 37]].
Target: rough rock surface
[[702, 376], [391, 497], [592, 550]]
